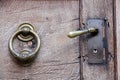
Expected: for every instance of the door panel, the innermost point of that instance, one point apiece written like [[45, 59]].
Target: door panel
[[117, 17], [59, 58], [98, 9], [58, 55]]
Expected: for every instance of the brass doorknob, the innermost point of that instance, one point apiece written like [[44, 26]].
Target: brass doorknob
[[24, 33], [81, 32]]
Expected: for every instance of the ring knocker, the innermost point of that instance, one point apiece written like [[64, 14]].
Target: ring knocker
[[24, 33]]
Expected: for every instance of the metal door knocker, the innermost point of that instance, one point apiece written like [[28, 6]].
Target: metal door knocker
[[24, 33]]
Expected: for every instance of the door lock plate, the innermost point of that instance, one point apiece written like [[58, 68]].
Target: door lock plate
[[95, 44]]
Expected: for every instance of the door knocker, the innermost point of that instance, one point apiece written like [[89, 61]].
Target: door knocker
[[25, 33]]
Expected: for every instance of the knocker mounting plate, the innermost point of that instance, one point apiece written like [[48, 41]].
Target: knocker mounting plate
[[25, 27]]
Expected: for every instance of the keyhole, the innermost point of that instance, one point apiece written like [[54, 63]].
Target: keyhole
[[95, 51]]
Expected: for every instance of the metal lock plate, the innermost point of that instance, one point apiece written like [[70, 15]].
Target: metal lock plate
[[95, 43]]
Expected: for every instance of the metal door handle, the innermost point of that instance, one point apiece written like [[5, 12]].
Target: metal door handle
[[96, 40], [81, 32], [24, 33]]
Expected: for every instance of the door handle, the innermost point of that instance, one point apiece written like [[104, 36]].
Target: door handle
[[81, 32], [96, 43], [24, 33]]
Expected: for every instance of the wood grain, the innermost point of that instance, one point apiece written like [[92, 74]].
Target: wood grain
[[58, 56], [118, 36], [102, 9]]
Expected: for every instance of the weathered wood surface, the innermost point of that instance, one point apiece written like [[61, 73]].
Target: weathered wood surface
[[118, 36], [97, 9], [58, 56]]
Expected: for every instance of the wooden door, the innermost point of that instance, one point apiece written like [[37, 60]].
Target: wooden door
[[117, 24], [100, 9], [58, 55], [59, 58]]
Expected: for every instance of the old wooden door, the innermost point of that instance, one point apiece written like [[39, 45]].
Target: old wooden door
[[59, 58], [103, 9]]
